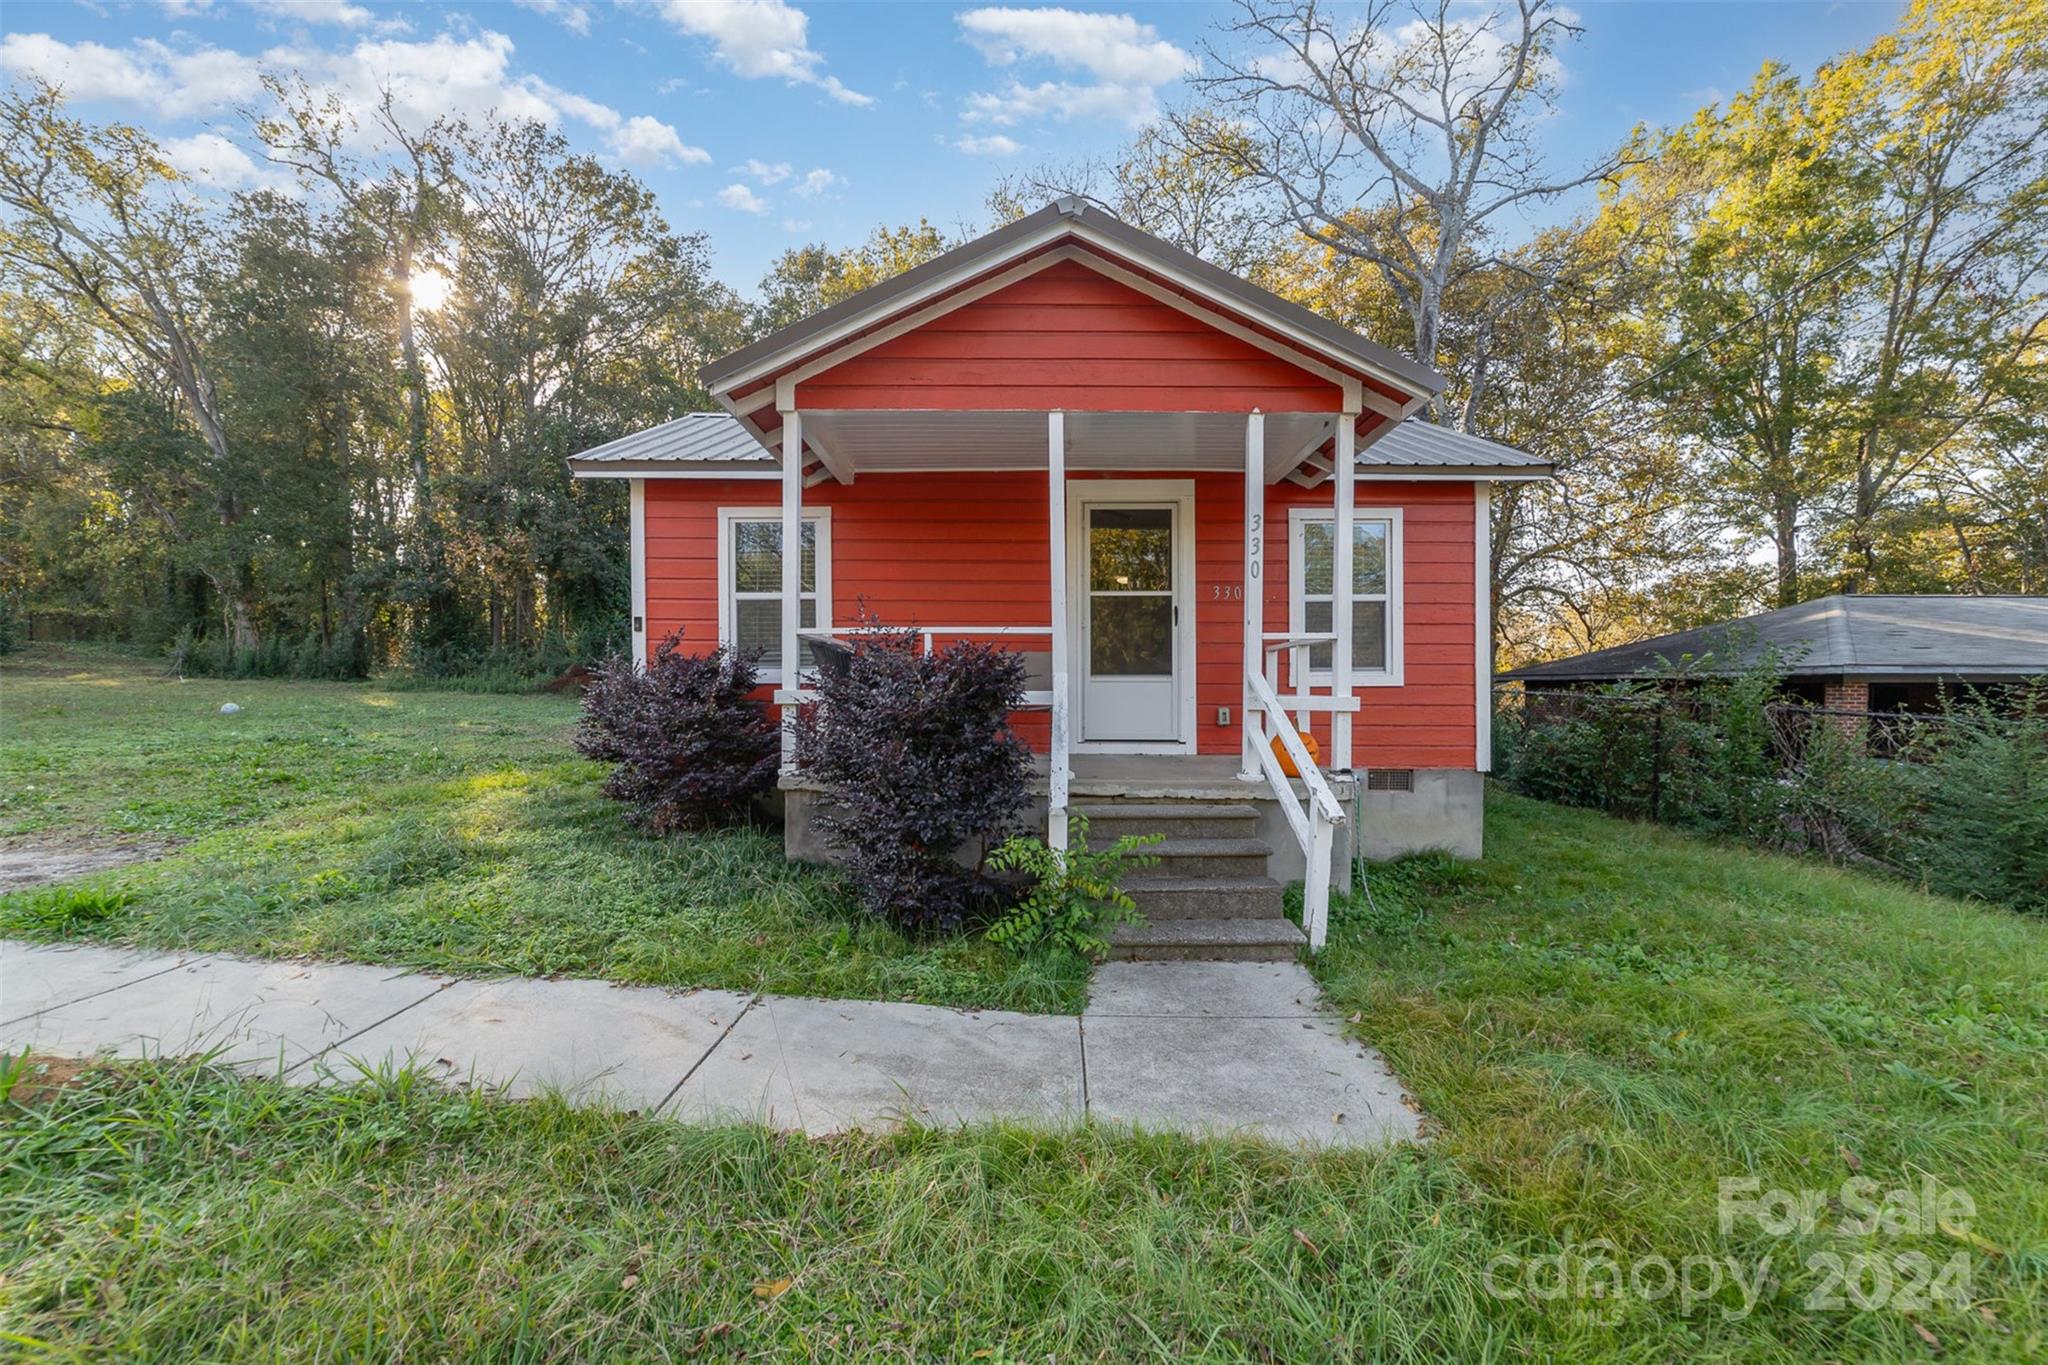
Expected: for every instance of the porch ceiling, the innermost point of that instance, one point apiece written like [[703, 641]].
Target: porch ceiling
[[909, 441]]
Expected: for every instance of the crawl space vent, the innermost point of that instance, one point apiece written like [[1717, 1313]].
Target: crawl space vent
[[1390, 780]]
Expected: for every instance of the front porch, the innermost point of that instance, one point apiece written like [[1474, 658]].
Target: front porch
[[1120, 583]]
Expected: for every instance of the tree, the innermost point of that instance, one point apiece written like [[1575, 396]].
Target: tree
[[1187, 190], [94, 216], [1952, 112], [403, 194], [807, 278], [1846, 291], [1400, 138], [570, 321]]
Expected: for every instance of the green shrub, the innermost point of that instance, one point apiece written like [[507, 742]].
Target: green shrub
[[1982, 830], [1076, 898]]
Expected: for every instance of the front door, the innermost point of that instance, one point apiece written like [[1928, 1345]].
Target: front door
[[1131, 620]]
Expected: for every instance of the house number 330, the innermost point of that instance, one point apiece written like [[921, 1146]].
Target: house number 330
[[1226, 592]]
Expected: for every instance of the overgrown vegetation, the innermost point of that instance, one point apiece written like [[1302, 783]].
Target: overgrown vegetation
[[430, 829], [1075, 897], [1957, 801], [916, 756], [1601, 1019], [693, 747]]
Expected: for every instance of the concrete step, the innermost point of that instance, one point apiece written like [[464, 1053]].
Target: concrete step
[[1164, 897], [1196, 857], [1110, 821], [1229, 940]]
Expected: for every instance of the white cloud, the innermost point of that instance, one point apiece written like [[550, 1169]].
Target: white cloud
[[760, 39], [572, 16], [447, 76], [1135, 105], [643, 142], [767, 174], [1125, 63], [187, 9], [995, 144], [1109, 47], [174, 84], [214, 161], [339, 12], [738, 196], [796, 225], [818, 181]]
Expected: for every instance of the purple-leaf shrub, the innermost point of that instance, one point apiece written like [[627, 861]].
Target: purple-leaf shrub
[[692, 747], [917, 757]]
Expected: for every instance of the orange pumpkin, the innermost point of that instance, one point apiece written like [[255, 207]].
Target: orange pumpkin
[[1308, 742]]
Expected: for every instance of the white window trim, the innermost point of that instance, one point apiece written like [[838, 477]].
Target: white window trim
[[728, 627], [1397, 598]]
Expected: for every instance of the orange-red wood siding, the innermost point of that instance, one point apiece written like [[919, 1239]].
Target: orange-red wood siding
[[1068, 337], [971, 549]]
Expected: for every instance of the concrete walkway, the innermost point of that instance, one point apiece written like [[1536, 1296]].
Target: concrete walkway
[[1201, 1047]]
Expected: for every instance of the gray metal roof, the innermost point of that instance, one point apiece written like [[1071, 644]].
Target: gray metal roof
[[1141, 246], [1419, 443], [717, 438], [1850, 635], [693, 438]]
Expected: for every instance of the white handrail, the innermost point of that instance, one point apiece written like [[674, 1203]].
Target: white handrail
[[1311, 776], [1314, 827]]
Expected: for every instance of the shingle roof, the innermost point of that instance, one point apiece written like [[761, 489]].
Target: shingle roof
[[695, 437], [1854, 635], [1139, 245], [718, 438]]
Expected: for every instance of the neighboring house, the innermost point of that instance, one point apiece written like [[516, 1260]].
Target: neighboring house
[[1190, 503], [1847, 652]]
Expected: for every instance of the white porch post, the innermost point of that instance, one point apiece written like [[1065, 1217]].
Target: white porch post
[[1341, 584], [1057, 777], [792, 571], [1482, 621], [637, 567], [1254, 587]]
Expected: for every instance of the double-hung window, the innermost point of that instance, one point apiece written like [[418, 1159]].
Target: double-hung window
[[750, 583], [1375, 591]]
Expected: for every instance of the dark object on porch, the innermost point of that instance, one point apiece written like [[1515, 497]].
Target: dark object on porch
[[834, 659], [694, 748], [916, 752]]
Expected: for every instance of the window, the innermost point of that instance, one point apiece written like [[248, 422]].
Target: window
[[1375, 591], [750, 583]]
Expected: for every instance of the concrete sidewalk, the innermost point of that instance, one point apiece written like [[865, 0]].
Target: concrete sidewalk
[[1199, 1047]]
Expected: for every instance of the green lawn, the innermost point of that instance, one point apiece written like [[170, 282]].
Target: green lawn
[[444, 830], [1603, 1020]]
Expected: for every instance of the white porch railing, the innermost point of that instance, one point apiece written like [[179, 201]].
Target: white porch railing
[[1315, 821]]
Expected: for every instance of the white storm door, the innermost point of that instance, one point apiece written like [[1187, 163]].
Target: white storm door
[[1131, 615]]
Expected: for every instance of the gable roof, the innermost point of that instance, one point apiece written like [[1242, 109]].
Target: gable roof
[[1857, 635], [710, 443], [1070, 217]]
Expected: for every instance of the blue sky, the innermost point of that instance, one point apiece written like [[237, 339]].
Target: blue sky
[[770, 124]]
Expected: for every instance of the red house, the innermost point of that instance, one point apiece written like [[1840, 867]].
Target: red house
[[1196, 507]]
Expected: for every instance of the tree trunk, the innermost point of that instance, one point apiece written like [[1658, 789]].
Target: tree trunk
[[1785, 534]]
